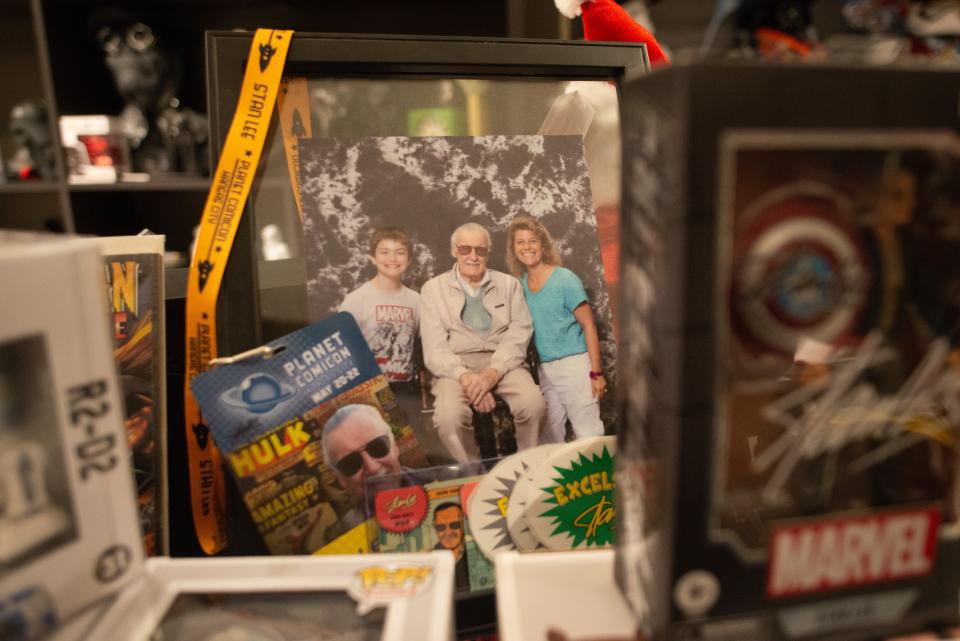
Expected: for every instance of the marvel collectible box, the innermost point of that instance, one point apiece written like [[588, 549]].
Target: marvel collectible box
[[791, 323], [68, 525], [384, 597]]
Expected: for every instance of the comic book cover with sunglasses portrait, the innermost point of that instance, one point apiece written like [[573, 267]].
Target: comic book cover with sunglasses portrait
[[301, 426]]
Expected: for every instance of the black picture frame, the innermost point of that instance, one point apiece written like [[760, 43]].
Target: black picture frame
[[379, 56], [376, 56]]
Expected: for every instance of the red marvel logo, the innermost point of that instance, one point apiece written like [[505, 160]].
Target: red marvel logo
[[851, 551], [394, 314]]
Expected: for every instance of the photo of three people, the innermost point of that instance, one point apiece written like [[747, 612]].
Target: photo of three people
[[512, 318], [475, 325]]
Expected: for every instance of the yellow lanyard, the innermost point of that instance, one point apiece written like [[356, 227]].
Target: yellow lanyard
[[229, 189], [295, 123]]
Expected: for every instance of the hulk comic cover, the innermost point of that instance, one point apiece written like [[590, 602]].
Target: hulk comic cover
[[302, 426]]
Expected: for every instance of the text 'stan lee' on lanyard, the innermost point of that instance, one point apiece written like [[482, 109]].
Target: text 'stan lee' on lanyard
[[229, 189]]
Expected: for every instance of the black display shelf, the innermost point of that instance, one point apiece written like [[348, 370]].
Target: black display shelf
[[28, 187], [173, 184], [476, 614]]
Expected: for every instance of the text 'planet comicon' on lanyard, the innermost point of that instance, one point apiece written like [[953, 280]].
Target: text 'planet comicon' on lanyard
[[230, 186]]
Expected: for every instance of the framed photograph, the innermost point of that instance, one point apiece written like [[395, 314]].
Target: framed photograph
[[424, 135]]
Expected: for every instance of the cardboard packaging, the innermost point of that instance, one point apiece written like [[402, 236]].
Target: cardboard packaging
[[133, 266], [96, 148], [572, 592], [386, 596], [790, 315], [68, 524]]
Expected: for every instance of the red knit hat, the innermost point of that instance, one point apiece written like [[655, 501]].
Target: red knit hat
[[606, 20]]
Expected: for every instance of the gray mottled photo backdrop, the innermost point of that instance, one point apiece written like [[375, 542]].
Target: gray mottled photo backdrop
[[429, 186]]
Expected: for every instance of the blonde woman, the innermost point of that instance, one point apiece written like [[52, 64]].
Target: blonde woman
[[564, 332]]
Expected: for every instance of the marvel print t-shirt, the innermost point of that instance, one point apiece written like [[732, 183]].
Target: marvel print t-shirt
[[389, 322]]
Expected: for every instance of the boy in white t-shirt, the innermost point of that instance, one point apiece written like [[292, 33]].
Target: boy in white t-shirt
[[387, 311], [388, 314]]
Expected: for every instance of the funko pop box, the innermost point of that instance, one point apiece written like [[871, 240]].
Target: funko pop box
[[68, 526], [388, 597], [790, 335]]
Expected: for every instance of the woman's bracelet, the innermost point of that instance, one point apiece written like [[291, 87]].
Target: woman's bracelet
[[594, 375]]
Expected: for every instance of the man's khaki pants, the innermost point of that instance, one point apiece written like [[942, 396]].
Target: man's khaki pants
[[453, 417]]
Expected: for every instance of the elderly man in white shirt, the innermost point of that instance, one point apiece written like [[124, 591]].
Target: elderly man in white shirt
[[475, 328]]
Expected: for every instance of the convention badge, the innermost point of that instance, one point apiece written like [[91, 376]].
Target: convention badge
[[380, 584], [571, 505], [488, 506], [266, 411]]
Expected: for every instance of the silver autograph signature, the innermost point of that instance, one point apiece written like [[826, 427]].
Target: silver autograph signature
[[842, 408]]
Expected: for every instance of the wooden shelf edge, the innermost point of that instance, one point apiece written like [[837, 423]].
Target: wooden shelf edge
[[28, 187], [181, 184]]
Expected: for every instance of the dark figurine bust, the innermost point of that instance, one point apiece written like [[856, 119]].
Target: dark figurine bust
[[164, 137], [33, 157]]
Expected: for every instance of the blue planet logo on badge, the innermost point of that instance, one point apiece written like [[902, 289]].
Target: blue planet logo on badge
[[258, 394]]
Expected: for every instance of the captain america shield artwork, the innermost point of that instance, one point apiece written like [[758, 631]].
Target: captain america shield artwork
[[799, 271], [836, 334]]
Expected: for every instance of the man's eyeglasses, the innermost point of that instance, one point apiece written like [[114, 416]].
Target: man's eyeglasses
[[440, 527], [464, 250], [352, 462]]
